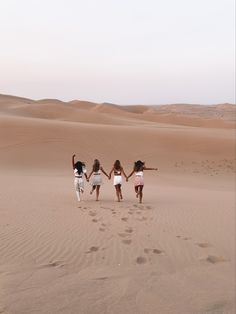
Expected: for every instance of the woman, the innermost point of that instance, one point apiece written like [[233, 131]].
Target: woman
[[139, 167], [79, 171], [118, 170], [97, 177]]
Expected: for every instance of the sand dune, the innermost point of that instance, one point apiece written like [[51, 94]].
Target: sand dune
[[175, 253], [215, 116]]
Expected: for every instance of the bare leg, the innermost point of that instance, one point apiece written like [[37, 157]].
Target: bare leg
[[117, 192], [136, 190], [97, 192], [140, 193], [121, 196], [93, 188]]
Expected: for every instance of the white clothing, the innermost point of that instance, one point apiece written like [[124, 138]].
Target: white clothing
[[117, 179], [139, 173], [81, 174], [79, 182], [97, 178]]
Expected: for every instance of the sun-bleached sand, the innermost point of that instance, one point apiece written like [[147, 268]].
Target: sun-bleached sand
[[175, 253]]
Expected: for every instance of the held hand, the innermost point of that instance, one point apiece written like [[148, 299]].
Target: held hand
[[127, 179]]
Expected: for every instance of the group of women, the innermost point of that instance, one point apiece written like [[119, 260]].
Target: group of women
[[117, 170]]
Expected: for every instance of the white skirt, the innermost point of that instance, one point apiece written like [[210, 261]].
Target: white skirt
[[96, 180], [117, 180]]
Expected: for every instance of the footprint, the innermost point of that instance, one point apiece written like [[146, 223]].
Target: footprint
[[142, 219], [156, 251], [104, 207], [102, 229], [130, 213], [215, 259], [141, 260], [93, 249], [129, 230], [204, 245], [92, 213], [124, 218], [126, 241], [94, 220], [54, 264], [101, 278], [123, 235], [148, 207], [187, 239], [218, 307]]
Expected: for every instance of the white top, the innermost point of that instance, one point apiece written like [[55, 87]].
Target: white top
[[97, 172], [77, 174], [139, 173]]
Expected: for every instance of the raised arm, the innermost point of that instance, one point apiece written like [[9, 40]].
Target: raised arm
[[104, 172], [73, 161]]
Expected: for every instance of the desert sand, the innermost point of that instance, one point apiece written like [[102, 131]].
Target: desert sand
[[174, 253]]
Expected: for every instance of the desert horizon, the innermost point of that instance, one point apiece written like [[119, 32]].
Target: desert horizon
[[172, 254]]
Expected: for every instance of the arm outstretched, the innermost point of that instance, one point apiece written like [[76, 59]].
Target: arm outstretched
[[145, 168], [73, 161]]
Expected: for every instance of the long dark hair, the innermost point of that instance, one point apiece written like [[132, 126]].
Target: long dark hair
[[79, 166], [138, 165], [117, 165], [96, 165]]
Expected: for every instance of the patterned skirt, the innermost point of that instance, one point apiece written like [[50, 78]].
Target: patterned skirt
[[138, 180]]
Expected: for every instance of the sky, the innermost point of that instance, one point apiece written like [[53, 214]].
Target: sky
[[119, 51]]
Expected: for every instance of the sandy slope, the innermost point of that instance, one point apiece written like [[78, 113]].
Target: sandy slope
[[175, 253]]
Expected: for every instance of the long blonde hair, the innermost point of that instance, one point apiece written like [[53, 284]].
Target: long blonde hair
[[96, 165]]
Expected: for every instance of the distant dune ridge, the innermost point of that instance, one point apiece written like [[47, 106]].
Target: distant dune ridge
[[220, 116], [175, 253]]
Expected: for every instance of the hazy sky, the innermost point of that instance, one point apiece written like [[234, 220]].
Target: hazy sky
[[120, 51]]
